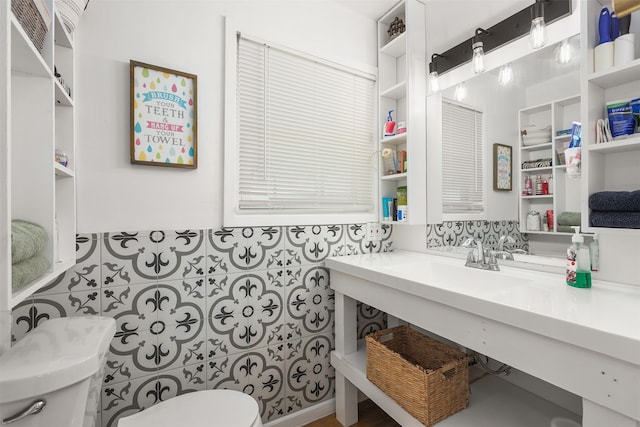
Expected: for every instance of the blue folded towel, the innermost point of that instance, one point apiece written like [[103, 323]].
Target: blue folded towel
[[619, 201], [615, 219], [27, 239]]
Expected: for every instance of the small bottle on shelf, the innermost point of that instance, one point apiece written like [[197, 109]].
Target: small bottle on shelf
[[550, 182], [538, 185], [527, 186]]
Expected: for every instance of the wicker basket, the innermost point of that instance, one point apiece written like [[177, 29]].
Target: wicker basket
[[429, 379], [34, 18]]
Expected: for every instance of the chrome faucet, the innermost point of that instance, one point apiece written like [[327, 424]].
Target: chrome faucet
[[505, 238], [480, 261], [503, 253]]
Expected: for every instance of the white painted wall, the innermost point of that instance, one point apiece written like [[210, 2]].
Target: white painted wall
[[114, 195]]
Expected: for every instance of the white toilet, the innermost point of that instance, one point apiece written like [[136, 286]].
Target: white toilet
[[53, 377], [207, 408]]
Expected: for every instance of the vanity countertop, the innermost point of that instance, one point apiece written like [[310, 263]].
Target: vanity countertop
[[605, 318]]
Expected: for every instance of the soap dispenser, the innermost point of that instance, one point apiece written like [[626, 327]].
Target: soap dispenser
[[578, 262]]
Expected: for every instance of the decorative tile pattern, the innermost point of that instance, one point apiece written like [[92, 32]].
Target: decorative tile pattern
[[247, 308], [259, 374], [454, 233], [313, 244], [310, 301], [181, 253], [369, 319], [310, 376], [131, 258]]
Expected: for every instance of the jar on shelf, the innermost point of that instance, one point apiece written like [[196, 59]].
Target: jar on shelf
[[533, 221], [61, 158]]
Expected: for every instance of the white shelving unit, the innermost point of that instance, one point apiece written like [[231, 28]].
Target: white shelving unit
[[36, 117], [611, 166], [401, 87], [564, 192], [493, 402]]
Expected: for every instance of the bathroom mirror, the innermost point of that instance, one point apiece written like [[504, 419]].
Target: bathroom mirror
[[499, 95]]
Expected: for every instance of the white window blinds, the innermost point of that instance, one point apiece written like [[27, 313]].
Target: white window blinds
[[463, 159], [305, 133]]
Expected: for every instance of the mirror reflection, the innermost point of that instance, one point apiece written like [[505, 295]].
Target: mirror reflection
[[530, 106]]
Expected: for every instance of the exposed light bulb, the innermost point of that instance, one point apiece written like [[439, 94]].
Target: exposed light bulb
[[434, 84], [461, 92], [505, 77], [538, 33], [564, 52], [477, 62]]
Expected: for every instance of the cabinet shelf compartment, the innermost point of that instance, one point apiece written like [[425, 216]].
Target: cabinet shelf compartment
[[544, 169], [25, 58], [397, 91], [394, 177], [395, 47], [537, 147], [619, 146], [63, 171], [616, 76], [62, 97], [395, 140], [492, 401]]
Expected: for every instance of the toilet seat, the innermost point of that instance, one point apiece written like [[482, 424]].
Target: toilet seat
[[206, 408]]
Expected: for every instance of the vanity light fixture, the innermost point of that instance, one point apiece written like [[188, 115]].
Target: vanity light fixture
[[461, 92], [564, 52], [514, 27], [538, 32], [505, 76], [434, 85], [625, 7], [477, 45]]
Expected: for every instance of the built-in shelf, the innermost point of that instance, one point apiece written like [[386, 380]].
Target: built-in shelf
[[62, 36], [25, 58], [400, 138], [396, 47], [546, 168], [616, 76], [562, 137], [62, 97], [618, 146], [56, 269], [545, 146], [397, 91], [63, 171], [493, 402], [545, 196], [394, 177]]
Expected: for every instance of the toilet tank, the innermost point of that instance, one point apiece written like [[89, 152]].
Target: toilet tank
[[62, 363]]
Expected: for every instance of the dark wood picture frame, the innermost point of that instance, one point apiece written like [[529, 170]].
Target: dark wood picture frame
[[502, 167], [164, 115]]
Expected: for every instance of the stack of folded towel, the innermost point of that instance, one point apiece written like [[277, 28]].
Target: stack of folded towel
[[567, 220], [615, 209], [27, 242]]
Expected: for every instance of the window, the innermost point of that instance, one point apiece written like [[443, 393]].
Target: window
[[302, 143], [463, 180]]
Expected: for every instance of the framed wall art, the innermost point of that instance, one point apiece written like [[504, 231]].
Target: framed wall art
[[502, 167], [163, 116]]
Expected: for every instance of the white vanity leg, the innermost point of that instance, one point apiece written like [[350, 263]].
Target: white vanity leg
[[346, 343], [594, 415]]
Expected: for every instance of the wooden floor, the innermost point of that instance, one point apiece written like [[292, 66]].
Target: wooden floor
[[369, 415]]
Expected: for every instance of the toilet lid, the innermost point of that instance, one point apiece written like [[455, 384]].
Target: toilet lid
[[207, 408]]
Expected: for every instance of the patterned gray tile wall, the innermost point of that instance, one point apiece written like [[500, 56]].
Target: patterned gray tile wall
[[454, 233], [248, 309]]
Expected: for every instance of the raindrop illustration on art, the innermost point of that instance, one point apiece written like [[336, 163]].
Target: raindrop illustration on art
[[137, 141], [137, 127], [174, 88], [191, 151], [183, 83], [149, 148], [158, 156], [152, 85], [180, 160], [142, 156], [145, 72]]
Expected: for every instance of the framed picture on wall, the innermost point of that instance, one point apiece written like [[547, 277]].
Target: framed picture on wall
[[502, 167], [163, 116]]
